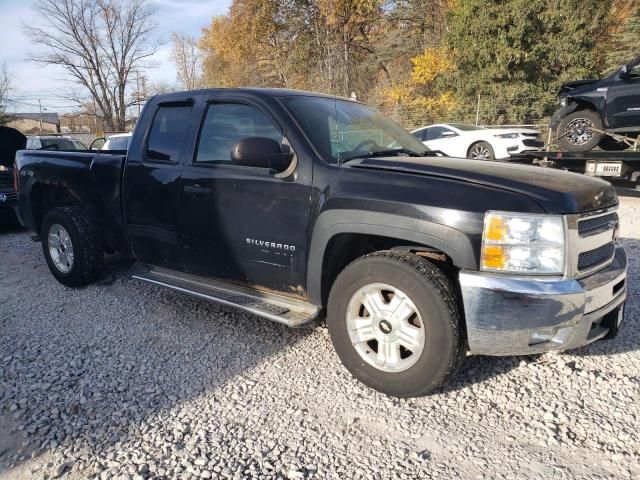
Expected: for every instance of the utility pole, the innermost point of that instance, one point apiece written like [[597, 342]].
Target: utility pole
[[40, 103], [478, 111], [138, 91], [95, 117]]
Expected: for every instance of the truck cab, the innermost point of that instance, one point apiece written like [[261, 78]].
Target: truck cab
[[301, 207]]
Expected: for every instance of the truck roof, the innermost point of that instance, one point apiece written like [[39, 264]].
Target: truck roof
[[264, 92]]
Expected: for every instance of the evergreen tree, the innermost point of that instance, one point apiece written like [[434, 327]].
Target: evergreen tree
[[515, 54]]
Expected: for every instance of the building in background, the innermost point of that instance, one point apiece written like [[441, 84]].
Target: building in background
[[34, 123]]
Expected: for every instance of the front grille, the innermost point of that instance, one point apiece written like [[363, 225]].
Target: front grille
[[591, 226], [533, 143], [597, 256], [6, 181]]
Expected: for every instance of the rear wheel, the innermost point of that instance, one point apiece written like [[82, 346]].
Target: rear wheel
[[481, 151], [395, 324], [575, 131], [71, 246]]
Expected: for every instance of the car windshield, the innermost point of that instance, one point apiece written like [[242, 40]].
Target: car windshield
[[60, 144], [341, 130], [119, 143], [466, 128]]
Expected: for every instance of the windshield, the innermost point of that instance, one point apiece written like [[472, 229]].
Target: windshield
[[341, 129], [60, 144], [117, 143]]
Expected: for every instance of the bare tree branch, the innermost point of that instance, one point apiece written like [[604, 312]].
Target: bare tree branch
[[98, 43], [188, 59]]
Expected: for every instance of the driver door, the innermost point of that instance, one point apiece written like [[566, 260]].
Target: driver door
[[242, 224], [623, 100]]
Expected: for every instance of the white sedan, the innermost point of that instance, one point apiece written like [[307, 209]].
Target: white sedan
[[468, 141]]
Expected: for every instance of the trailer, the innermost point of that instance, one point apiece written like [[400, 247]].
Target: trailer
[[621, 168]]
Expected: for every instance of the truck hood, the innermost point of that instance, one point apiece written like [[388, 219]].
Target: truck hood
[[11, 140], [556, 191], [569, 87]]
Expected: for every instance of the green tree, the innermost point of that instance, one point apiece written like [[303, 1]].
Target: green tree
[[517, 53], [624, 44]]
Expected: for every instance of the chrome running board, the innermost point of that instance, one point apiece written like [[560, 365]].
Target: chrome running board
[[278, 308]]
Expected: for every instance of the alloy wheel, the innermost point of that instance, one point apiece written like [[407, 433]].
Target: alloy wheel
[[385, 327], [579, 131], [60, 248]]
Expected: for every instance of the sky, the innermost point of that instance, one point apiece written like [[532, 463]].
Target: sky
[[33, 82]]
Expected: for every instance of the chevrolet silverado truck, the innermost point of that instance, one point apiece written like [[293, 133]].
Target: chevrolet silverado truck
[[590, 108], [298, 206]]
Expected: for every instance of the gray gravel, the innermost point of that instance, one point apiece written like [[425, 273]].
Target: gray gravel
[[129, 381]]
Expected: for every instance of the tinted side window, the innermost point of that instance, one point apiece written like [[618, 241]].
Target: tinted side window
[[436, 133], [420, 135], [168, 133], [226, 124]]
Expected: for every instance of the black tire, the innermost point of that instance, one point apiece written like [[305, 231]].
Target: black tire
[[574, 133], [88, 255], [481, 151], [432, 292], [610, 144]]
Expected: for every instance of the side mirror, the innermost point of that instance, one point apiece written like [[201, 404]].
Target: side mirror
[[624, 71], [261, 152], [97, 144], [449, 134]]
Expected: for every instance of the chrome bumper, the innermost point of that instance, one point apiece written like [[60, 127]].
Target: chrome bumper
[[519, 316]]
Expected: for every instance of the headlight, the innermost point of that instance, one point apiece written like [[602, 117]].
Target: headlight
[[563, 101], [521, 243], [507, 135]]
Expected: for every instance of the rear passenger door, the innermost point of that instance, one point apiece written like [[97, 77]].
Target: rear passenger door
[[151, 192], [243, 224]]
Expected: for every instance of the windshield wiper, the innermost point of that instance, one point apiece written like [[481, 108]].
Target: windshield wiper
[[386, 153]]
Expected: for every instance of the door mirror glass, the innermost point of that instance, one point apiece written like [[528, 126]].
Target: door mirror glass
[[261, 152], [448, 133]]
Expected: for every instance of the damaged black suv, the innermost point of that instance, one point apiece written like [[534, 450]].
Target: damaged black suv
[[589, 107]]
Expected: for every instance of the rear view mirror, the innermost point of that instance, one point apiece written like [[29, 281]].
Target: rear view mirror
[[261, 152]]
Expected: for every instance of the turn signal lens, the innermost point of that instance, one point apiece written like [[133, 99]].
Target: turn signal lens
[[493, 257]]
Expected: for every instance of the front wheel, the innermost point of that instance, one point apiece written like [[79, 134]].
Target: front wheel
[[71, 246], [395, 324], [576, 131], [481, 151]]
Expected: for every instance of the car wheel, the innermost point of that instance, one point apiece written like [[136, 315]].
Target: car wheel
[[575, 131], [71, 246], [481, 151], [395, 323], [610, 144]]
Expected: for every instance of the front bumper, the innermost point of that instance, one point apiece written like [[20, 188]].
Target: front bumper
[[508, 315], [8, 208]]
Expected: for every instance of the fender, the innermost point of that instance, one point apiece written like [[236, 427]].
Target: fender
[[454, 243]]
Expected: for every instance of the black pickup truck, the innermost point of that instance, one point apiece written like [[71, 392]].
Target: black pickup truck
[[297, 206]]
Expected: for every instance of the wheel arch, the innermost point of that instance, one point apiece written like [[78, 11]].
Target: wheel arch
[[341, 236], [47, 196]]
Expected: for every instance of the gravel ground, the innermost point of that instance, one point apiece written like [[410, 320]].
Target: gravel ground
[[127, 380]]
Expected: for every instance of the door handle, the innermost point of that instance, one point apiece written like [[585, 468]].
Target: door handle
[[197, 190]]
